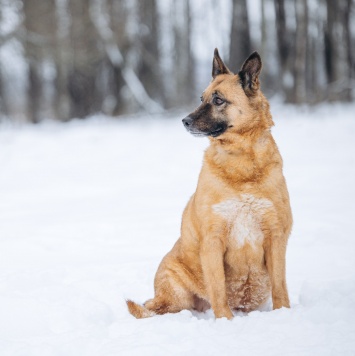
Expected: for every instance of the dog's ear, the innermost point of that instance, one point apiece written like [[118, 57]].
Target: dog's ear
[[218, 67], [249, 74]]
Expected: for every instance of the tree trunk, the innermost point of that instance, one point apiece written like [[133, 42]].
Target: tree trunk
[[39, 44], [149, 62], [349, 54], [263, 32], [3, 100], [85, 99], [62, 64], [282, 46], [183, 67], [300, 90], [336, 33], [330, 41], [118, 14], [240, 44], [3, 103]]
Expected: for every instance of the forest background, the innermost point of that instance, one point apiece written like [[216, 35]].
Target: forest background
[[63, 59]]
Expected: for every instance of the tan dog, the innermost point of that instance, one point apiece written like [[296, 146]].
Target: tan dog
[[231, 253]]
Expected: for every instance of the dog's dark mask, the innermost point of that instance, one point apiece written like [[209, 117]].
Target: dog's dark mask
[[202, 123]]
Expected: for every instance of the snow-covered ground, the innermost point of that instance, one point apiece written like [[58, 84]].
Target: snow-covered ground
[[88, 209]]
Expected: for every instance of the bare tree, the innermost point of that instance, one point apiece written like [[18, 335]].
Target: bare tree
[[347, 10], [300, 89], [148, 68], [3, 103], [283, 49], [240, 44], [118, 15], [338, 57], [85, 99], [62, 62], [330, 41], [183, 65], [263, 29], [38, 44], [118, 60]]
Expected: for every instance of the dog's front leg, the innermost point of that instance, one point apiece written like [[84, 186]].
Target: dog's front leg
[[275, 256], [211, 253]]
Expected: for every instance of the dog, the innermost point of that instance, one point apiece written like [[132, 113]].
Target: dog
[[235, 227]]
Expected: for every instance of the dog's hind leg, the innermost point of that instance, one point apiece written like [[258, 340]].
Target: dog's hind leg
[[175, 286], [155, 306], [171, 296], [168, 302], [162, 305]]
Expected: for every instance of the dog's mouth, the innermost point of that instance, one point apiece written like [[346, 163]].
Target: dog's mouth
[[217, 130], [213, 133]]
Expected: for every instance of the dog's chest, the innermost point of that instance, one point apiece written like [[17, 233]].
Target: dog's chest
[[243, 216]]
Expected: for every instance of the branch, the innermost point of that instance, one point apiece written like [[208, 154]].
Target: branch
[[10, 35], [115, 56]]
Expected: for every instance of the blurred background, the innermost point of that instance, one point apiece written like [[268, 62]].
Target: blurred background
[[63, 59]]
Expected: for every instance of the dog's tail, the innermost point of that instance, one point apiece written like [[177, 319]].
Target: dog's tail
[[139, 311]]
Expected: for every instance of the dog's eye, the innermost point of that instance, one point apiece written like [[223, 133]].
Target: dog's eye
[[218, 101]]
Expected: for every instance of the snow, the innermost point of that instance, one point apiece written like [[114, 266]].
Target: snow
[[89, 208]]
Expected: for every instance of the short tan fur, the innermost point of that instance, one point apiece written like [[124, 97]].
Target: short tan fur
[[235, 227]]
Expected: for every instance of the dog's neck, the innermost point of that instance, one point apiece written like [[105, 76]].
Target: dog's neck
[[244, 157]]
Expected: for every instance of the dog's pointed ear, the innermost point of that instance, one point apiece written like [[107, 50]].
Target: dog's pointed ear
[[218, 67], [249, 74]]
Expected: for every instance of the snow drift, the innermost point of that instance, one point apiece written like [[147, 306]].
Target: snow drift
[[88, 209]]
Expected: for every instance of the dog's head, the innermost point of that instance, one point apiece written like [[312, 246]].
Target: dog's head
[[232, 103]]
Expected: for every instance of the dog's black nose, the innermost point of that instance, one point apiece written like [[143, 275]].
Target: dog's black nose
[[187, 121]]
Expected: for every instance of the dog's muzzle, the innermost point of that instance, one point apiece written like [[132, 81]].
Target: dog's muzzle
[[187, 121]]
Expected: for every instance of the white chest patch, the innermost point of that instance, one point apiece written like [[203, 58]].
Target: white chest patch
[[243, 215]]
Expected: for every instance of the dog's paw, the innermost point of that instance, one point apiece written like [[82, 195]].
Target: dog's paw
[[224, 313]]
